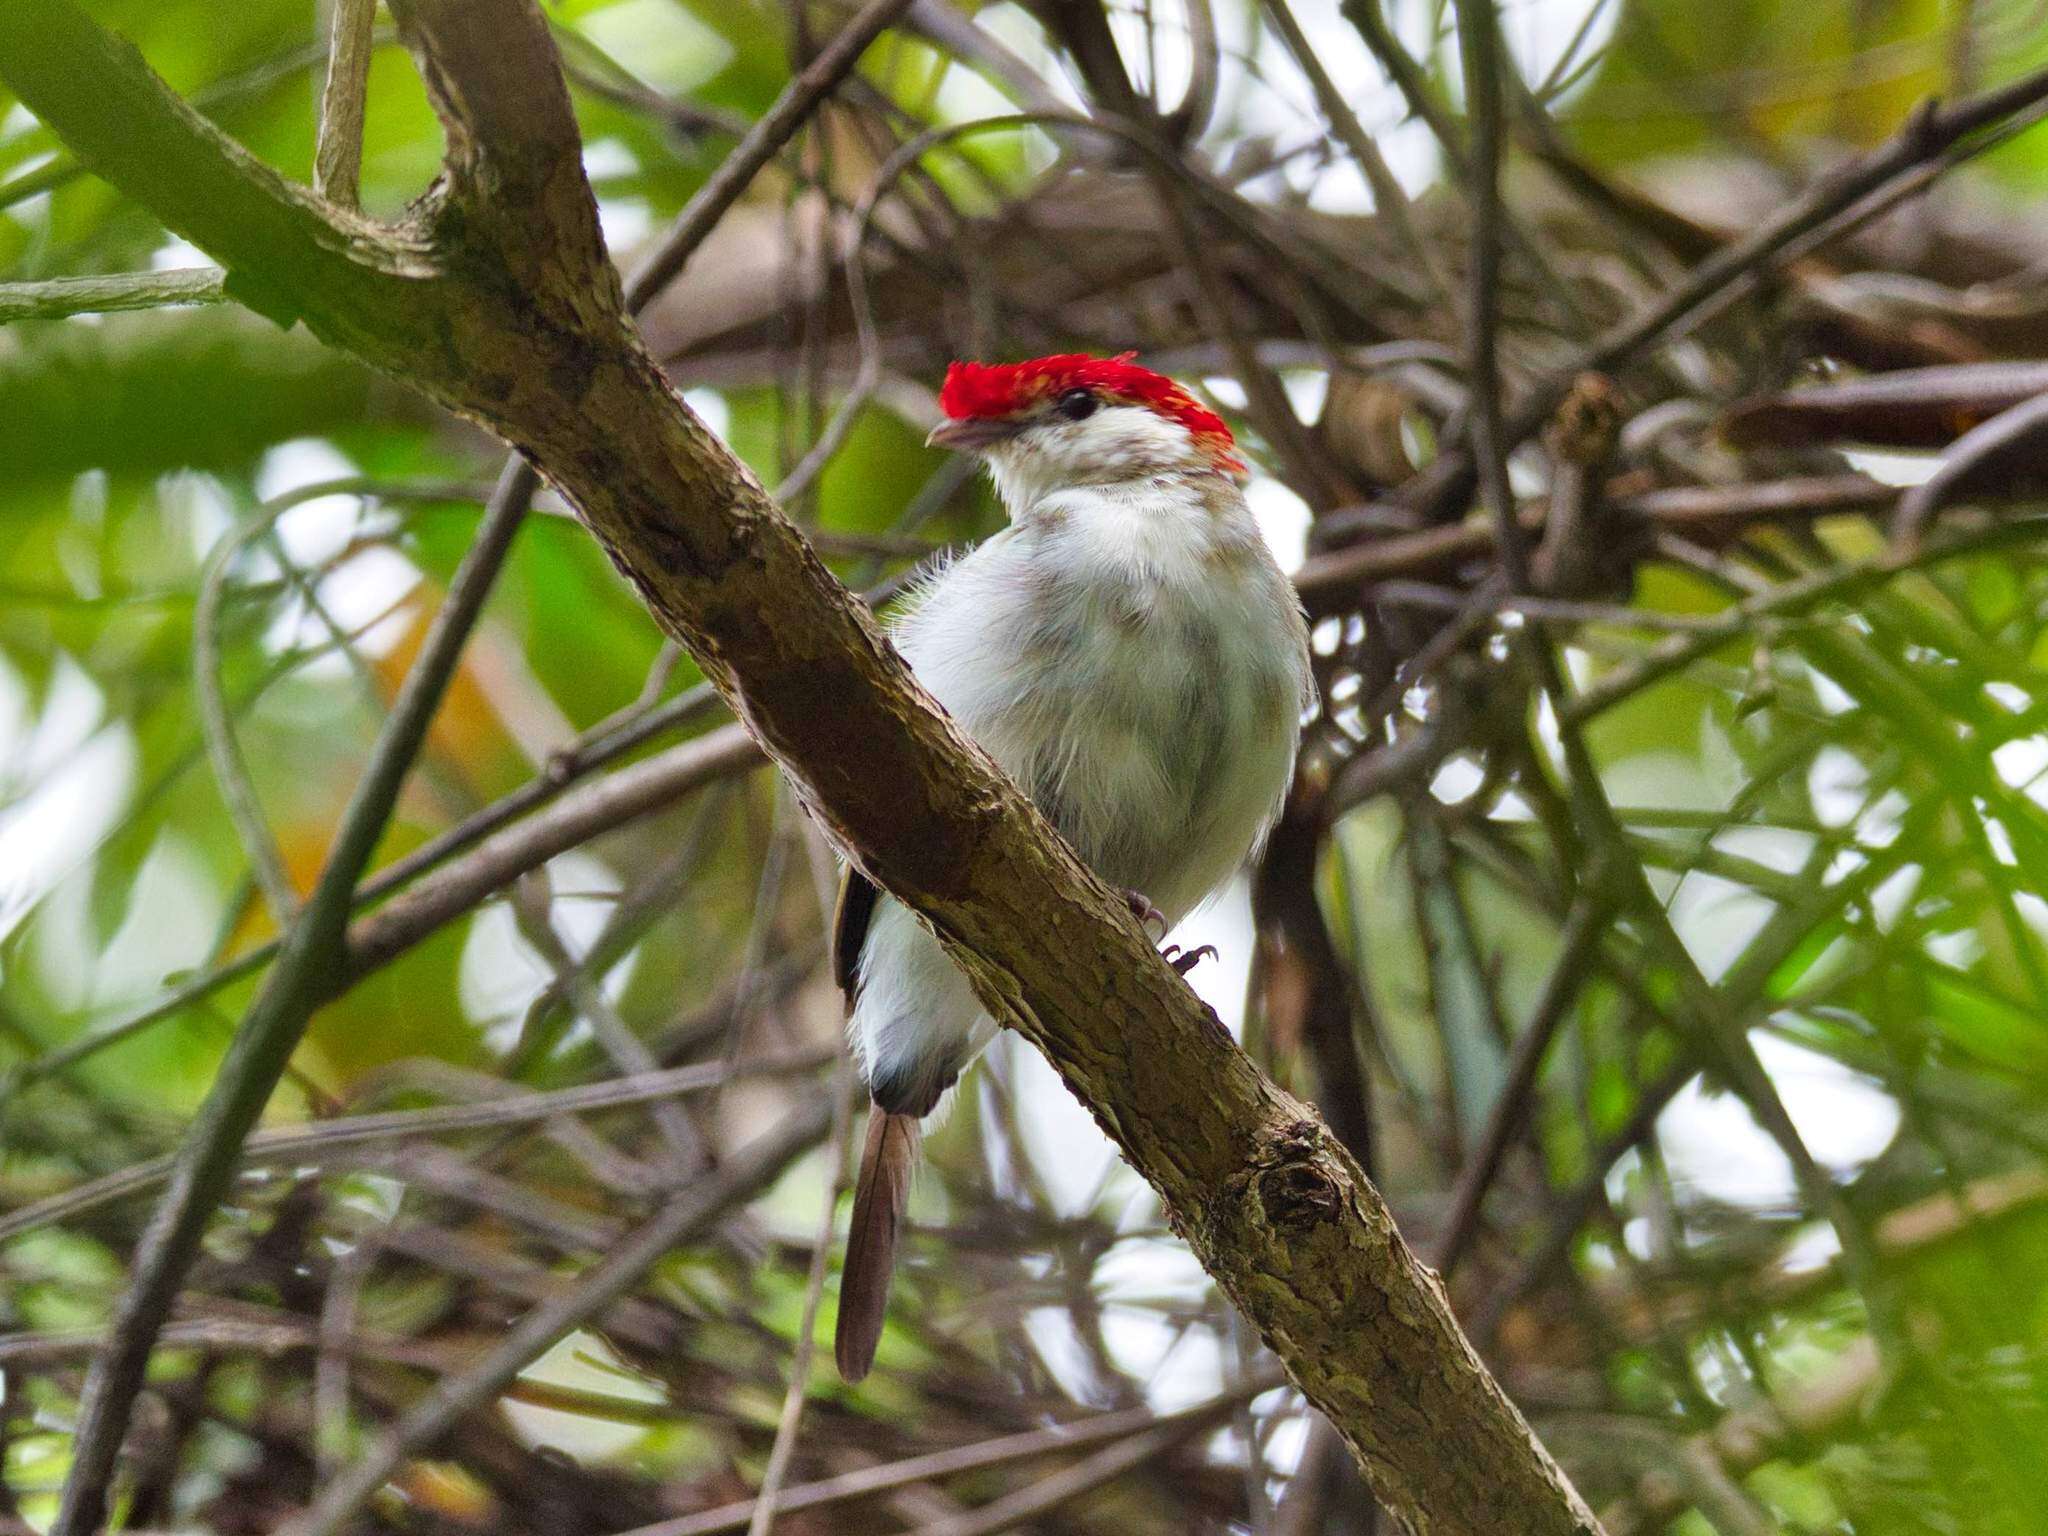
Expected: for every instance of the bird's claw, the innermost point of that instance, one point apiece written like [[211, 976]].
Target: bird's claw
[[1185, 960], [1143, 909]]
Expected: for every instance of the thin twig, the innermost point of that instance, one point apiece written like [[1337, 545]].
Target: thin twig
[[739, 1179], [2011, 432], [604, 76], [1049, 1493], [1367, 17], [963, 37], [1119, 1425], [1390, 201], [1511, 1104], [311, 1143], [1479, 45], [778, 125], [532, 909], [1928, 133], [805, 1343], [216, 726], [338, 154], [266, 1337], [55, 298], [331, 1367], [1459, 153]]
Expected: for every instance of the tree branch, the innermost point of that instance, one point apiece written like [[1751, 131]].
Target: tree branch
[[499, 303], [338, 152], [55, 298], [1479, 47]]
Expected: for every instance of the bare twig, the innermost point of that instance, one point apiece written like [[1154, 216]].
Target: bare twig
[[532, 906], [1369, 18], [1907, 408], [1928, 134], [1049, 1493], [739, 1179], [57, 297], [338, 153], [270, 1336], [1479, 46], [1119, 1425], [790, 111], [339, 1311], [314, 1142], [960, 35], [1389, 200], [238, 791], [804, 1345], [1511, 1104]]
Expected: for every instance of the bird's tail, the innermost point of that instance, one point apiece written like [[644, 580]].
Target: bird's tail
[[878, 1200]]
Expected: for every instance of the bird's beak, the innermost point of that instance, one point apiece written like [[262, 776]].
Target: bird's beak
[[972, 434]]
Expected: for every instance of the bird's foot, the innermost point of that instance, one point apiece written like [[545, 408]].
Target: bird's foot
[[1144, 910], [1182, 960]]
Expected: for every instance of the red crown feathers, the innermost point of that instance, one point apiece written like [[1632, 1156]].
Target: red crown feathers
[[1004, 389]]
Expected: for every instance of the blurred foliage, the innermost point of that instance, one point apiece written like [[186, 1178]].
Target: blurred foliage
[[1838, 802]]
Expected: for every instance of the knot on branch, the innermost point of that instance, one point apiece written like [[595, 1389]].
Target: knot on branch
[[1587, 423], [1296, 1189]]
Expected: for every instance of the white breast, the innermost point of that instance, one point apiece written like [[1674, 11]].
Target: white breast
[[1133, 658]]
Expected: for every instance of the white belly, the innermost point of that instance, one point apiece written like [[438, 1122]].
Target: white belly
[[1147, 697]]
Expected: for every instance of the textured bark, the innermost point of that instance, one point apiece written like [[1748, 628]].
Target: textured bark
[[497, 299]]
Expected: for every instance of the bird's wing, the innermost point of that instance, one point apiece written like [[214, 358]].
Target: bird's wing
[[850, 919]]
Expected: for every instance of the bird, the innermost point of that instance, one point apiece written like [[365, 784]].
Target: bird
[[1130, 653]]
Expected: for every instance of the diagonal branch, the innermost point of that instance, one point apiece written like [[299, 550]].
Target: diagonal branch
[[497, 302]]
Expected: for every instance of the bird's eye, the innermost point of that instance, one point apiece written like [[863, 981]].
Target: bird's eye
[[1076, 405]]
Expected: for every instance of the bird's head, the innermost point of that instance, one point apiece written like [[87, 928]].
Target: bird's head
[[1073, 420]]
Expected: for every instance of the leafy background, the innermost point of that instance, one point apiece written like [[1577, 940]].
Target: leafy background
[[1807, 1298]]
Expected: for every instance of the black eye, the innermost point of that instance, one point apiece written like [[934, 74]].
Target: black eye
[[1076, 405]]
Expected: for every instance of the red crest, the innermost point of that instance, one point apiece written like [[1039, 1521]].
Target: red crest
[[975, 390]]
